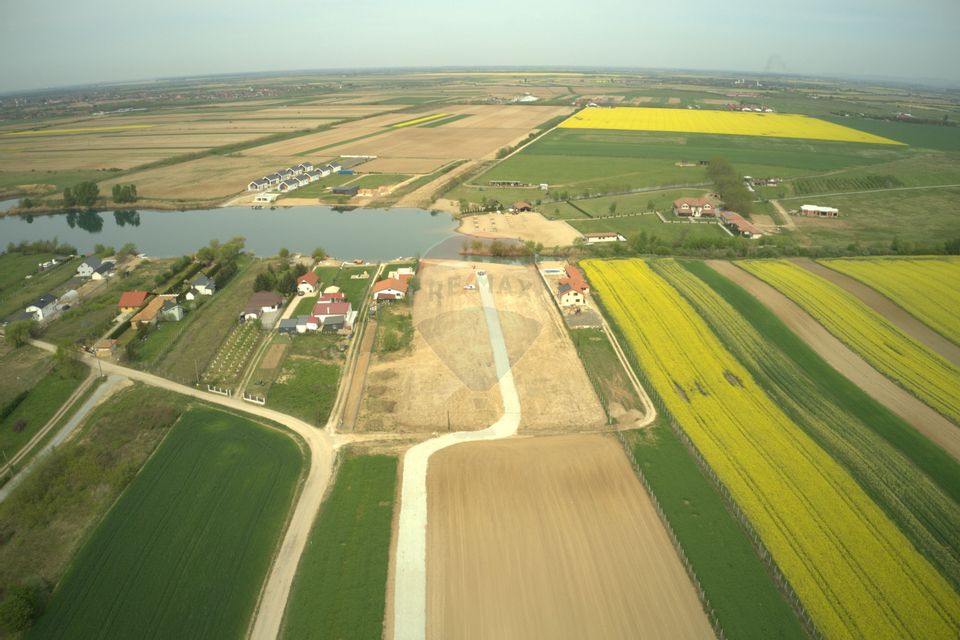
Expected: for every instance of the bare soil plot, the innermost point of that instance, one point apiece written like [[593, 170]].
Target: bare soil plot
[[404, 165], [550, 538], [521, 226], [450, 356], [306, 143], [840, 357], [886, 307]]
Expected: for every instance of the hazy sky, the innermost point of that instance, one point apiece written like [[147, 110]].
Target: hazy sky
[[44, 44]]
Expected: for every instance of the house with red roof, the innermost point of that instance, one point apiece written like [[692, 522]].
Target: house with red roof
[[307, 283], [332, 316], [132, 300], [575, 279], [694, 208], [390, 289]]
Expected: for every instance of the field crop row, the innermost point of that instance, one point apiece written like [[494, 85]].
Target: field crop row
[[915, 367], [929, 288], [855, 572], [924, 512], [233, 355], [804, 186], [775, 125]]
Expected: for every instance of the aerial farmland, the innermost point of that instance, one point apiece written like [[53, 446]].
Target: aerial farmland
[[676, 355]]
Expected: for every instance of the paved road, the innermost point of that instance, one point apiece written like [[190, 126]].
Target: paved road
[[410, 588]]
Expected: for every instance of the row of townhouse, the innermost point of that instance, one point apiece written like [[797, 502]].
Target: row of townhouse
[[294, 177]]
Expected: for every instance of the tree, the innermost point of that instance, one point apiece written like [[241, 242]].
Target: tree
[[299, 269], [128, 249], [319, 254], [18, 610], [124, 193], [20, 331], [286, 283], [613, 207], [414, 284], [265, 281], [69, 200], [205, 255], [651, 205], [68, 361], [84, 194], [284, 253]]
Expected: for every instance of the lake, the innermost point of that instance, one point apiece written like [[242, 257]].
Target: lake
[[371, 234]]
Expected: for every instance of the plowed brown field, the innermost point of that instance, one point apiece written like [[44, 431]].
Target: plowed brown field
[[550, 538]]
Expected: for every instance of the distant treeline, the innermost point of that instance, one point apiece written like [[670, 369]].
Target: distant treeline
[[42, 246]]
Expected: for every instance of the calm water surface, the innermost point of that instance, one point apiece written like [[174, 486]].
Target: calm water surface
[[372, 234]]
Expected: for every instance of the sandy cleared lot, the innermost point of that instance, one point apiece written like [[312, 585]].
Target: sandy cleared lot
[[521, 226], [450, 355], [404, 165], [840, 357], [550, 538]]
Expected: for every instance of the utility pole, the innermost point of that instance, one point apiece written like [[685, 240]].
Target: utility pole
[[196, 371], [100, 366]]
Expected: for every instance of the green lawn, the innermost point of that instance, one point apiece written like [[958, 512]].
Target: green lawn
[[14, 267], [355, 290], [157, 341], [305, 388], [43, 401], [319, 188], [651, 225], [394, 328], [340, 587], [743, 595], [170, 562], [305, 306], [604, 369], [22, 369]]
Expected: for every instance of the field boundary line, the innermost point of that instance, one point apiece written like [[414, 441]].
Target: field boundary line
[[853, 193]]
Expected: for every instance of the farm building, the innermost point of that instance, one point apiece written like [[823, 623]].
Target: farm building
[[260, 303], [132, 300], [43, 307], [390, 289], [570, 297], [575, 279], [521, 206], [739, 225], [603, 236], [307, 283], [693, 207], [258, 185], [814, 211], [345, 191]]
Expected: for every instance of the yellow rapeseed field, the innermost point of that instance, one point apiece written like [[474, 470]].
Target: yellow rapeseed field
[[929, 288], [50, 132], [915, 367], [409, 123], [855, 572], [777, 125]]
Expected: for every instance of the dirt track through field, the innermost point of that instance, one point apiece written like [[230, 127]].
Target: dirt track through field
[[550, 537], [840, 357], [886, 307]]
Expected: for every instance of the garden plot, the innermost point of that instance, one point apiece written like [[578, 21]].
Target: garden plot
[[231, 360]]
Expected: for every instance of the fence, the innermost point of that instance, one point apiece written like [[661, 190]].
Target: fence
[[249, 397], [220, 390]]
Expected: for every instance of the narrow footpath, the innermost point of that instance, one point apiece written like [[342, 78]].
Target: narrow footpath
[[410, 588]]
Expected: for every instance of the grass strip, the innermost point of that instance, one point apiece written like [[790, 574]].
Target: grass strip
[[340, 587]]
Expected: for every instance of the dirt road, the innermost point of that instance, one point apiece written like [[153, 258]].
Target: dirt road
[[786, 217], [550, 537], [886, 307], [840, 357], [410, 562]]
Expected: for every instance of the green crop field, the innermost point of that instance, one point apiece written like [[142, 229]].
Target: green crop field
[[651, 225], [741, 592], [305, 388], [15, 297], [22, 368], [340, 587], [839, 416], [604, 369], [374, 180], [184, 551], [929, 136]]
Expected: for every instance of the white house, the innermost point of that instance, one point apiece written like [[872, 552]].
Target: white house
[[314, 175], [334, 167], [43, 307], [570, 297], [105, 270], [88, 266], [259, 303], [305, 167], [258, 185], [323, 171], [204, 285], [399, 273], [390, 289], [307, 283], [274, 178], [290, 184], [171, 310], [818, 211], [303, 180]]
